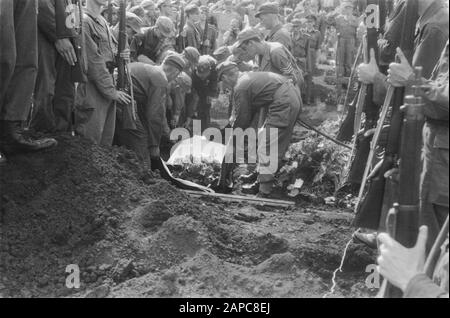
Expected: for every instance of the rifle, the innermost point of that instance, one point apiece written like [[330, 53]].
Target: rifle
[[205, 48], [365, 103], [407, 208], [373, 205], [127, 113]]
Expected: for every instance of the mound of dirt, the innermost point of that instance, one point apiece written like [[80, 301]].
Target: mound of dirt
[[132, 234]]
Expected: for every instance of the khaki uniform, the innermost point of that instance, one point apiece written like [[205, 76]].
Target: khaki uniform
[[95, 109], [278, 59], [280, 101], [434, 183], [346, 44], [281, 35], [18, 58], [150, 87]]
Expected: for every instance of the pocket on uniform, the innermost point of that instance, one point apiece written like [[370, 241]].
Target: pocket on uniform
[[279, 115]]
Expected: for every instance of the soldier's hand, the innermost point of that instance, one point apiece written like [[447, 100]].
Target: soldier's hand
[[65, 48], [123, 98], [399, 264], [206, 43], [368, 71], [400, 74]]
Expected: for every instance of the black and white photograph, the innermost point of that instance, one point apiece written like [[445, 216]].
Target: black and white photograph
[[224, 157]]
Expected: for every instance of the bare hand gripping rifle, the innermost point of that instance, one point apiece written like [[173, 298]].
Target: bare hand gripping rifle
[[369, 209], [126, 113], [403, 219]]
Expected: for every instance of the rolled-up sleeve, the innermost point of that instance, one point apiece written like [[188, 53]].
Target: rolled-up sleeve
[[421, 286]]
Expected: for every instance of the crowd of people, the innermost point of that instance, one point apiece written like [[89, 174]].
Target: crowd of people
[[59, 73]]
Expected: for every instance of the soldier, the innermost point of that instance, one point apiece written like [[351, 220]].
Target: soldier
[[191, 32], [95, 107], [302, 54], [150, 13], [55, 91], [230, 37], [150, 85], [133, 27], [190, 56], [257, 93], [150, 46], [431, 36], [166, 9], [272, 56], [397, 262], [209, 46], [178, 89], [224, 16], [268, 13], [204, 86], [346, 25], [18, 68]]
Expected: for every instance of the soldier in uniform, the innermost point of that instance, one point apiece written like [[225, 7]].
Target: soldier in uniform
[[209, 46], [224, 16], [18, 69], [346, 25], [95, 107], [268, 13], [302, 53], [434, 188], [279, 102], [271, 56], [204, 88], [178, 89], [431, 36], [150, 12], [150, 85], [150, 46], [191, 32], [55, 91]]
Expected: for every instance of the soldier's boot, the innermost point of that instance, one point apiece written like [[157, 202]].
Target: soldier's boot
[[12, 139], [249, 178], [2, 159]]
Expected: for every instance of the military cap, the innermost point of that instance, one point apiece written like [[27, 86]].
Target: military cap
[[166, 26], [346, 4], [247, 34], [134, 22], [191, 54], [164, 2], [222, 53], [148, 3], [268, 8], [191, 8], [297, 22], [225, 67], [185, 81], [205, 64], [176, 60]]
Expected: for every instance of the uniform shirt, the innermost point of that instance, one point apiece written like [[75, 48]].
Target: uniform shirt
[[211, 37], [301, 49], [435, 188], [193, 35], [151, 44], [281, 35], [277, 59], [346, 27], [101, 48], [150, 85], [253, 91], [52, 19], [202, 91]]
